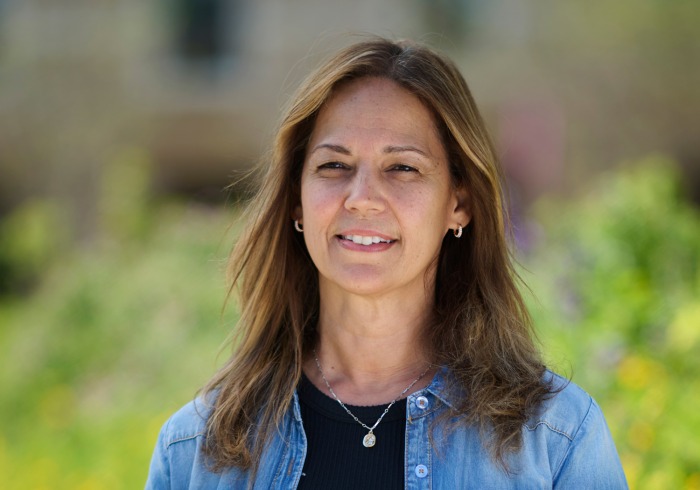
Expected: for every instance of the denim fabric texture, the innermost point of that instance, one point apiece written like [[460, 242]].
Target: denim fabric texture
[[567, 446]]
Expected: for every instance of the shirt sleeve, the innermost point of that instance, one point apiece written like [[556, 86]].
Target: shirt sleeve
[[159, 471], [592, 459]]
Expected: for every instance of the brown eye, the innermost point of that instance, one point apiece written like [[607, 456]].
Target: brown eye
[[404, 168], [332, 166]]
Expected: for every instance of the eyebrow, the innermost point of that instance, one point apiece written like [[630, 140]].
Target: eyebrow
[[389, 149], [336, 148], [402, 149]]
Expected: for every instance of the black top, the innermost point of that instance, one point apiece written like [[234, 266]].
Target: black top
[[336, 457]]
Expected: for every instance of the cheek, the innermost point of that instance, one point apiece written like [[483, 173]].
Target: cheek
[[319, 209], [315, 204], [429, 211]]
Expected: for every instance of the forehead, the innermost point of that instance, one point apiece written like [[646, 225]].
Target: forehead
[[377, 107]]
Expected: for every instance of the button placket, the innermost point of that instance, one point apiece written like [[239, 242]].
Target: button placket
[[418, 451]]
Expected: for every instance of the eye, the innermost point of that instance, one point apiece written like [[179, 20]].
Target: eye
[[402, 167], [332, 166]]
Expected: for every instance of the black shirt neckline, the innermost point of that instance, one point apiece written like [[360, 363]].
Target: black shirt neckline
[[325, 405]]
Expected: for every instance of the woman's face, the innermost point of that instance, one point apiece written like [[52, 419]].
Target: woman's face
[[376, 193]]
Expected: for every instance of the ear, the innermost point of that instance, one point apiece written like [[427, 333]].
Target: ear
[[297, 213], [461, 207]]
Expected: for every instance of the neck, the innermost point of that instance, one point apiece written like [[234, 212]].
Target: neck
[[370, 350]]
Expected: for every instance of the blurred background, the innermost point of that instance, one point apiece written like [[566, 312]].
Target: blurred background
[[122, 122]]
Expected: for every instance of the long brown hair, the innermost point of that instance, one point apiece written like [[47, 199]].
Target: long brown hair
[[483, 331]]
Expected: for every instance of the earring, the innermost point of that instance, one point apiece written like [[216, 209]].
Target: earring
[[298, 227], [458, 231]]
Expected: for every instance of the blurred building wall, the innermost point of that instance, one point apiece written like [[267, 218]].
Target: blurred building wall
[[195, 86]]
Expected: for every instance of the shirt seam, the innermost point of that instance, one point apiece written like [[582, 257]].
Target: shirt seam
[[183, 439], [555, 476], [550, 427]]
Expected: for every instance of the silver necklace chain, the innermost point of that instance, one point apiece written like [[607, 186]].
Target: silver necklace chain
[[370, 439]]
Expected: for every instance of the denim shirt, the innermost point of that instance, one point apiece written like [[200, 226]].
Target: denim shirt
[[567, 446]]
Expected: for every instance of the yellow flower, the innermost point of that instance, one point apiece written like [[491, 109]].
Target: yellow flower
[[692, 482], [684, 330], [636, 372]]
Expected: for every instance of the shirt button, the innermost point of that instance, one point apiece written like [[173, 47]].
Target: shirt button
[[421, 471], [422, 402]]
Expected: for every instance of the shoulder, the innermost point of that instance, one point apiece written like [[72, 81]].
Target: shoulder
[[177, 460], [572, 430], [566, 409], [188, 423]]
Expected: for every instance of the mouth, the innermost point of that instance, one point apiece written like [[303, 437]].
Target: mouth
[[365, 240]]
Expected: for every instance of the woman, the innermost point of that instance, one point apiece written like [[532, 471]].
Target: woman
[[382, 341]]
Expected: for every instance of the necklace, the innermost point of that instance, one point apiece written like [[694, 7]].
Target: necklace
[[370, 439]]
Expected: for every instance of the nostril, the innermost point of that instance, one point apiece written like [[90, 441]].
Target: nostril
[[364, 199]]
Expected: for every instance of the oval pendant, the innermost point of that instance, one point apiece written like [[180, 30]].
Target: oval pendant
[[369, 440]]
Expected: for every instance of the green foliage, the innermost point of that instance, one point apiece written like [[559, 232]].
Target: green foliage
[[116, 338], [125, 195], [30, 238], [617, 274]]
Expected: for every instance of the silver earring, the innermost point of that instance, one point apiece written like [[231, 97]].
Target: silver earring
[[298, 227], [458, 231]]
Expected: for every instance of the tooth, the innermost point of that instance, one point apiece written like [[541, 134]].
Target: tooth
[[376, 239], [367, 240], [357, 239]]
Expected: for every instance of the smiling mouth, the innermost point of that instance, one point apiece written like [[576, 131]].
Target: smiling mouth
[[365, 240]]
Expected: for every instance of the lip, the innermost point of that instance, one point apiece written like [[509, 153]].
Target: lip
[[358, 247], [364, 232]]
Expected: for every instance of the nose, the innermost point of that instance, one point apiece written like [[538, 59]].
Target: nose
[[365, 192]]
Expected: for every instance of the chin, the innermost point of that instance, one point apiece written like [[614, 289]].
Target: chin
[[365, 287], [362, 281]]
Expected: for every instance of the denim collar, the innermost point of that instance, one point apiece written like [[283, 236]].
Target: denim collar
[[442, 386]]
